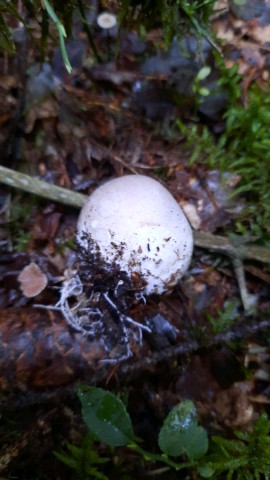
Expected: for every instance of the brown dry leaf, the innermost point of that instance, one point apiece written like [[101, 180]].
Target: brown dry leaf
[[46, 225], [252, 56], [261, 35], [8, 81], [197, 382], [233, 405], [205, 198], [49, 108], [224, 31], [32, 280], [258, 272], [110, 74]]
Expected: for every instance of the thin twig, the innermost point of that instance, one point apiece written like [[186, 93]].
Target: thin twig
[[88, 32]]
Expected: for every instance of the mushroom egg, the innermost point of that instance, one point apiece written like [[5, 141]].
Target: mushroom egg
[[134, 223]]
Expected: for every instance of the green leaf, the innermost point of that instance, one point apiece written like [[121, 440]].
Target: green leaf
[[106, 417], [204, 91], [61, 32], [180, 433], [67, 459], [196, 443], [206, 471], [83, 459], [203, 73]]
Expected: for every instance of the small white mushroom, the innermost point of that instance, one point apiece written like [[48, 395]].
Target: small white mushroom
[[133, 222], [106, 20]]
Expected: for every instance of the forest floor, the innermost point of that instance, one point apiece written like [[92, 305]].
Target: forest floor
[[77, 131]]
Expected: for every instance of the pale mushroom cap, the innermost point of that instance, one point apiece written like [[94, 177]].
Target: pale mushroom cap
[[106, 20], [136, 224]]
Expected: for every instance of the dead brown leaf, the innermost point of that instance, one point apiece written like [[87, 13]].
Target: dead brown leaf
[[32, 280]]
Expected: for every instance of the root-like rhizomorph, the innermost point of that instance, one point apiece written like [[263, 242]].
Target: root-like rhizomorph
[[96, 301]]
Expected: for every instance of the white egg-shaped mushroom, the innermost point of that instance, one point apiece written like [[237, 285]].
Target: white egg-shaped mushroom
[[136, 224]]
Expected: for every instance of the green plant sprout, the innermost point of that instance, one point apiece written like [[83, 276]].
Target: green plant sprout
[[197, 88], [6, 40], [61, 33], [246, 457], [177, 17], [109, 422], [225, 317], [32, 8], [16, 224], [84, 460], [44, 11]]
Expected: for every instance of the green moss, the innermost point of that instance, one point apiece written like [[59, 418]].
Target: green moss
[[244, 457], [243, 149]]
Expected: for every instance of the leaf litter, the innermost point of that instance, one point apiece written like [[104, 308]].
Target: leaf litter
[[77, 132]]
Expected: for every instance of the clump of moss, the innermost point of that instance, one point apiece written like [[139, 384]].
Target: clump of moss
[[245, 457], [243, 149]]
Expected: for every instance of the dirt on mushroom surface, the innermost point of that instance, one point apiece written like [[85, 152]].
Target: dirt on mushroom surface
[[78, 131]]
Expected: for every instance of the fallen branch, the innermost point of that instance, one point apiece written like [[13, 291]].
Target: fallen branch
[[215, 243], [39, 187], [233, 248]]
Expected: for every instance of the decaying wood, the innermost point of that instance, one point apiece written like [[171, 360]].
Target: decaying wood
[[215, 243], [42, 359], [39, 351]]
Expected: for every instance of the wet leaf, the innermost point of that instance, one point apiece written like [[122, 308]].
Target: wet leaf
[[106, 417], [180, 433]]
